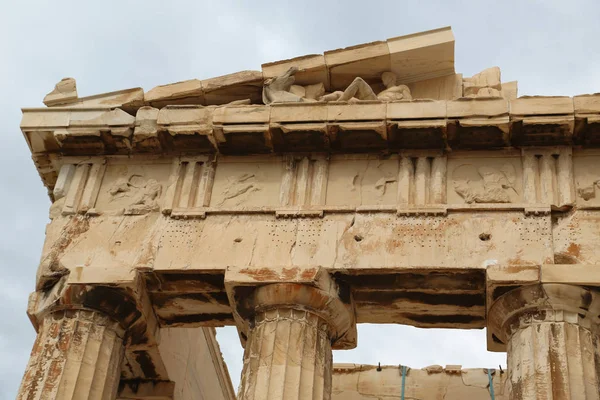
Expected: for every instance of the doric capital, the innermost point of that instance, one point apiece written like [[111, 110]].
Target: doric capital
[[254, 290], [124, 301], [544, 302]]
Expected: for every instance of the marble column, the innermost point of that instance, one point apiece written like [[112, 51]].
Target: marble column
[[553, 341], [77, 355], [291, 324], [287, 356]]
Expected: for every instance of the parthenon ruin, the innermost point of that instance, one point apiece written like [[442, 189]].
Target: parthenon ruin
[[370, 184]]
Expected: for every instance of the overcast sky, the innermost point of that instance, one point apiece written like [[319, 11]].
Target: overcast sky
[[551, 47]]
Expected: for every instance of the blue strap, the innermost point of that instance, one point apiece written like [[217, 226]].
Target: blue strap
[[491, 384], [404, 370]]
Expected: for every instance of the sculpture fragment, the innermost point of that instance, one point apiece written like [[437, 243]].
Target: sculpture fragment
[[361, 90], [281, 89], [144, 195], [277, 89], [487, 83], [495, 186], [589, 192], [64, 92]]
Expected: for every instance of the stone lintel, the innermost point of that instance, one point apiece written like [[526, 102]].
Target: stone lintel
[[251, 290]]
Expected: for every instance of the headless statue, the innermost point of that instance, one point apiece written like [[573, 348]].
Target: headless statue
[[361, 90], [277, 89], [281, 89]]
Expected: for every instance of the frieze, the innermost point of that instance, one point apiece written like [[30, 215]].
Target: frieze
[[533, 180]]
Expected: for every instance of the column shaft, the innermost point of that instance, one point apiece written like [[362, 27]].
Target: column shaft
[[288, 356], [552, 359], [77, 355]]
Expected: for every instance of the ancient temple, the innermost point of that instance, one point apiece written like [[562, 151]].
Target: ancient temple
[[370, 184]]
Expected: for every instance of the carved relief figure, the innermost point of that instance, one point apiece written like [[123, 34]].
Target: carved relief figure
[[239, 188], [361, 90], [589, 192], [277, 90], [281, 89], [381, 184], [484, 84], [144, 195], [493, 186]]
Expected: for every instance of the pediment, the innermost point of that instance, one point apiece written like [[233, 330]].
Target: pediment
[[423, 61]]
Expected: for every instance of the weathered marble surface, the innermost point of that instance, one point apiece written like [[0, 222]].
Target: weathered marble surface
[[366, 382], [377, 185]]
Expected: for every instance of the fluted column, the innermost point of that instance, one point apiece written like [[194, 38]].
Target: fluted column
[[291, 322], [553, 342], [77, 355], [287, 356]]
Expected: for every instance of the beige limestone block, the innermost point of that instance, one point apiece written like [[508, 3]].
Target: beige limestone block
[[107, 117], [233, 87], [510, 90], [587, 104], [541, 105], [362, 181], [245, 184], [242, 114], [365, 382], [128, 99], [483, 180], [422, 56], [175, 91], [64, 92], [367, 61], [474, 107], [195, 365], [416, 109], [372, 110], [575, 238], [295, 112], [447, 87], [311, 69], [478, 83], [146, 123], [575, 274], [77, 355], [587, 178], [130, 188]]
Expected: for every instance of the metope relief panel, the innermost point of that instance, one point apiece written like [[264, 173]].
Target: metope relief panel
[[240, 183], [133, 189], [362, 180], [587, 179], [484, 180]]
